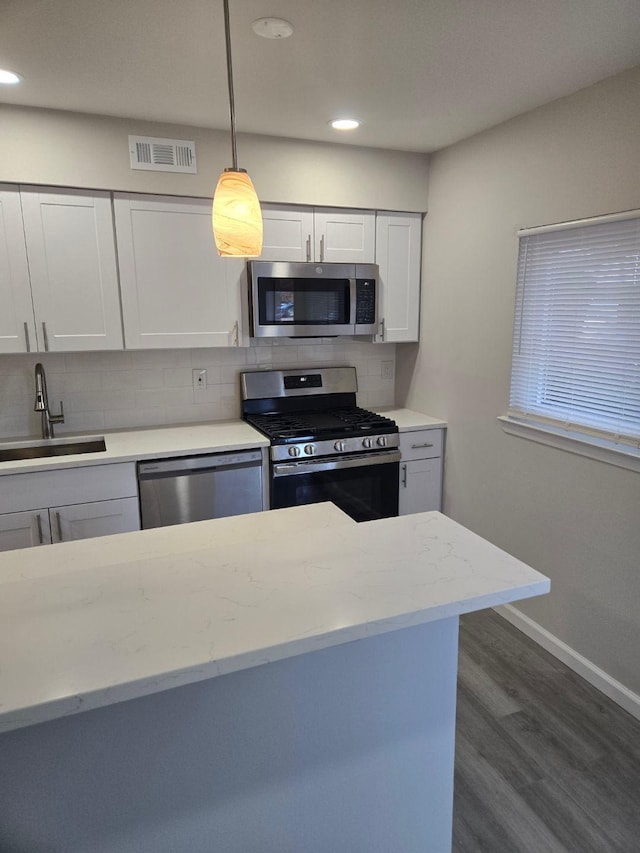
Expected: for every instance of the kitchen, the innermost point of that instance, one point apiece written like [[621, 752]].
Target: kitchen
[[572, 518]]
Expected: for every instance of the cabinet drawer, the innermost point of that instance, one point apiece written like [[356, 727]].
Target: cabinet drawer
[[67, 486], [421, 444]]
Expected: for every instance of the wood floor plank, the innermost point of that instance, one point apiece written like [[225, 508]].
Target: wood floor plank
[[503, 805], [544, 761], [476, 680], [494, 744]]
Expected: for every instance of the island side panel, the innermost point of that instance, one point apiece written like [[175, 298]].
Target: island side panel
[[348, 749]]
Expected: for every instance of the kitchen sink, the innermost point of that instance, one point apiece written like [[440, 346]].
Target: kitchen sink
[[11, 451]]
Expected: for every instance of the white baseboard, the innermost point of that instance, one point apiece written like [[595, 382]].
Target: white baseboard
[[616, 691]]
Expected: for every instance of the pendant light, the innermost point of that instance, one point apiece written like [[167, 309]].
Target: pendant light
[[237, 218]]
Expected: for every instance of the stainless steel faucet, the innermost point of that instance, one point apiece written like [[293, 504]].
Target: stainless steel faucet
[[42, 404]]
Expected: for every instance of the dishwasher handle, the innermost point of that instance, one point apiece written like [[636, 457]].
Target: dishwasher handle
[[177, 465]]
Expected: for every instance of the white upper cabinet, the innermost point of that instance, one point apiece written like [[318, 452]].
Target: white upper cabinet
[[287, 234], [318, 234], [72, 266], [345, 236], [176, 290], [17, 325], [398, 254]]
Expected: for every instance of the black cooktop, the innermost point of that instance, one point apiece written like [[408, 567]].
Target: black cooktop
[[320, 424]]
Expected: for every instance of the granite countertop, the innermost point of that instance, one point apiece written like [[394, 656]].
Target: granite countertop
[[410, 421], [134, 444], [160, 442], [88, 624]]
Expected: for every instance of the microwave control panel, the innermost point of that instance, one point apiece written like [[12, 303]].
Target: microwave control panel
[[365, 301]]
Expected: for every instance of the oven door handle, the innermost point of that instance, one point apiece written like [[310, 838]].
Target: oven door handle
[[310, 466]]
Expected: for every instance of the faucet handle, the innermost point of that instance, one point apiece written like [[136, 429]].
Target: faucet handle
[[58, 419]]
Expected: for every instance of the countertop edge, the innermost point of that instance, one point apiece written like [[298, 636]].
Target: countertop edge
[[158, 682]]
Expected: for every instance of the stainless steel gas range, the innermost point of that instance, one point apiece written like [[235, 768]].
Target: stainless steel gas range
[[323, 446]]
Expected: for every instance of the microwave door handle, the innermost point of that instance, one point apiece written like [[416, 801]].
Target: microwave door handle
[[353, 291]]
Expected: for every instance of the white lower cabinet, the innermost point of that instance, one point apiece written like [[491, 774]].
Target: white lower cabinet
[[98, 518], [420, 471], [24, 529], [67, 523], [34, 508]]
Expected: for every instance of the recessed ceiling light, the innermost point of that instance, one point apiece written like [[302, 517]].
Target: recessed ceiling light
[[272, 28], [344, 124], [9, 77]]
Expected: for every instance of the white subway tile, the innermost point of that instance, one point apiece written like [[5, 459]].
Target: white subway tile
[[127, 419], [152, 397], [114, 379]]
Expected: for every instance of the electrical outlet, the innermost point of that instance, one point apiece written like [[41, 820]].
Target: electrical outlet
[[199, 379], [387, 370]]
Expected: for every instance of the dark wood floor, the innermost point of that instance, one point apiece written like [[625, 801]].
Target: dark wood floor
[[545, 763]]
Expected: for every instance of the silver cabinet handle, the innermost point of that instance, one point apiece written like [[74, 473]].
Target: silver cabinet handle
[[404, 476], [382, 328], [45, 336], [39, 529], [234, 334], [322, 248], [58, 526], [416, 446], [309, 247], [26, 337]]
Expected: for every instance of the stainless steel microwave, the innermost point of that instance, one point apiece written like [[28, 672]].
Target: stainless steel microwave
[[312, 300]]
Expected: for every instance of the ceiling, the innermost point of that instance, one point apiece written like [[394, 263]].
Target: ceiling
[[419, 74]]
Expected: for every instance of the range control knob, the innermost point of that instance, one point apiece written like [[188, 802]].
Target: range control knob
[[367, 442], [309, 449], [340, 446], [382, 441], [294, 451]]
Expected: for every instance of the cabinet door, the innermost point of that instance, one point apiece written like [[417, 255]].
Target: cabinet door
[[288, 234], [344, 236], [24, 529], [72, 263], [420, 486], [17, 326], [398, 254], [176, 290], [99, 518]]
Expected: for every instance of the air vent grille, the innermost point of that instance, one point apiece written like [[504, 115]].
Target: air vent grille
[[162, 155]]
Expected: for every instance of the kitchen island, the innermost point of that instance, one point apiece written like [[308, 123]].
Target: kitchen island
[[278, 682]]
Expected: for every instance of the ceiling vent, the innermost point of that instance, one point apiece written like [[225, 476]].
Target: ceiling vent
[[162, 155]]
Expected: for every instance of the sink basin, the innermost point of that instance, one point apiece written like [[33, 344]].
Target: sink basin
[[13, 450]]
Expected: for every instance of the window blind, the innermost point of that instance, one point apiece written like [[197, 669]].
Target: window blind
[[576, 342]]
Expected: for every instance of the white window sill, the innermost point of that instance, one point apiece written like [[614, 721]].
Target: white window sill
[[622, 455]]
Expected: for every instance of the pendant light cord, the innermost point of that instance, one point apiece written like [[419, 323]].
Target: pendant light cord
[[232, 107]]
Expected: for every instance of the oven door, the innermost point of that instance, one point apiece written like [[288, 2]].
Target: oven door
[[365, 486]]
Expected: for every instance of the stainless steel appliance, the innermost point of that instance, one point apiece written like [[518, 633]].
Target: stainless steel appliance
[[194, 488], [312, 300], [323, 447]]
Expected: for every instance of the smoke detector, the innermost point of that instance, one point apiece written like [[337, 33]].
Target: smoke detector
[[272, 28]]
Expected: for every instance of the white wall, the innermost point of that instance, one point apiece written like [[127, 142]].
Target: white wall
[[117, 390], [77, 150], [574, 519]]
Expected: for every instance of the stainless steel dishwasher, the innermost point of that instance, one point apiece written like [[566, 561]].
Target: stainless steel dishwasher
[[194, 488]]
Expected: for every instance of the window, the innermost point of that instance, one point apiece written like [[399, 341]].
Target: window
[[576, 342]]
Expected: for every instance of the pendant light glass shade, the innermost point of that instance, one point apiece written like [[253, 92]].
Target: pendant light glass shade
[[236, 215], [237, 218]]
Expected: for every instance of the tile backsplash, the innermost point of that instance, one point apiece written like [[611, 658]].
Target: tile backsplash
[[120, 390]]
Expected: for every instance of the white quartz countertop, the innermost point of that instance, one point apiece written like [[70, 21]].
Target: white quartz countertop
[[152, 444], [409, 421], [88, 624]]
